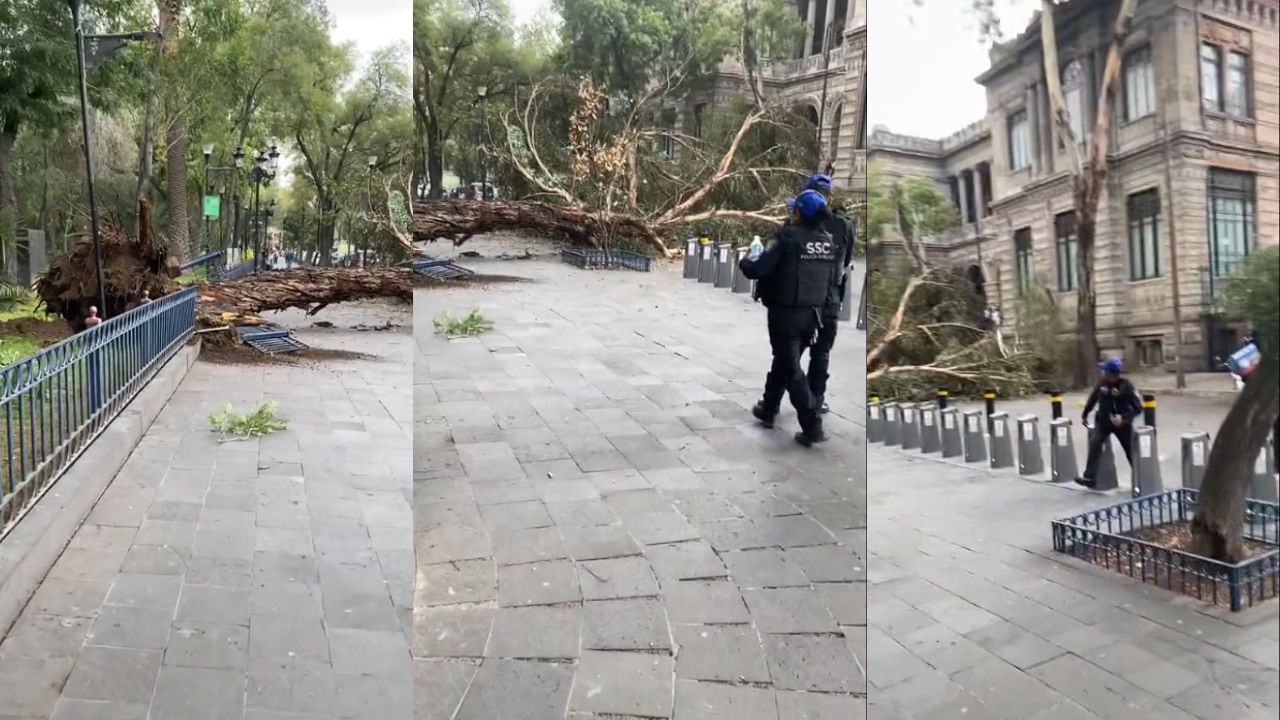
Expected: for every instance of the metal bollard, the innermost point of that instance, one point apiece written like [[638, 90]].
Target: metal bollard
[[1264, 476], [1001, 442], [952, 446], [975, 441], [930, 440], [875, 420], [1149, 409], [909, 429], [989, 396], [943, 395], [1195, 456], [1030, 461], [1107, 478], [691, 259], [1055, 404], [892, 433], [1146, 463], [724, 269], [706, 260], [741, 283], [1062, 451]]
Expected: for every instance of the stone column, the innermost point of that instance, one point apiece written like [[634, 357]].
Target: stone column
[[964, 197], [1033, 126], [979, 193], [37, 255], [808, 24]]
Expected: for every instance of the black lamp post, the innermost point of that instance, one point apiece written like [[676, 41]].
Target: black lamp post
[[373, 163], [826, 75], [265, 163], [103, 45], [237, 163], [211, 172]]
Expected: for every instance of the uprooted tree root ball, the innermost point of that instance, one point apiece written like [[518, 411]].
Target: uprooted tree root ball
[[129, 267]]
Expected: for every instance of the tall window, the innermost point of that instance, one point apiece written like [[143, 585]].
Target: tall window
[[1073, 82], [1019, 141], [835, 132], [1139, 85], [698, 111], [1231, 219], [1025, 259], [1237, 95], [1211, 77], [1066, 250], [1144, 248]]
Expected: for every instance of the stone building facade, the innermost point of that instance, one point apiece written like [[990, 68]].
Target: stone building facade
[[825, 80], [1192, 188]]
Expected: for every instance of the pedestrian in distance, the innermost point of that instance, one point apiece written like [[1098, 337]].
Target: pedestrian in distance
[[794, 273], [841, 229], [1117, 403]]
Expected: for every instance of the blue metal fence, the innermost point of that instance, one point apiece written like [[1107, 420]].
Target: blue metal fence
[[54, 403]]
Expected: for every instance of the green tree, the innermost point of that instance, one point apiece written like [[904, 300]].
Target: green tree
[[1218, 526]]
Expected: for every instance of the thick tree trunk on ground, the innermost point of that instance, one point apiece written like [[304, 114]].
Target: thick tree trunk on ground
[[458, 220], [1219, 519], [309, 289]]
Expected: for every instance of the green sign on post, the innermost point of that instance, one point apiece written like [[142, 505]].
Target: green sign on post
[[212, 206]]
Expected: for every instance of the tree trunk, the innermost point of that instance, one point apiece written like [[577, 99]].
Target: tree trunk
[[1087, 349], [435, 159], [326, 231], [310, 289], [8, 197], [457, 221], [1219, 520], [175, 140], [147, 145]]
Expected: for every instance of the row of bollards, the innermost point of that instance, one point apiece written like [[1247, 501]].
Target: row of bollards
[[936, 428], [717, 264]]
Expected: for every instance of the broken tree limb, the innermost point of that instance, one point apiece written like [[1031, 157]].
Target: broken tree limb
[[309, 289], [458, 220]]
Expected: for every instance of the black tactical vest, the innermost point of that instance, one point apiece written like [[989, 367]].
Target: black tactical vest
[[809, 264]]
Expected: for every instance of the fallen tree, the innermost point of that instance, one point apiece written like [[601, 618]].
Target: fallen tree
[[310, 289], [458, 220]]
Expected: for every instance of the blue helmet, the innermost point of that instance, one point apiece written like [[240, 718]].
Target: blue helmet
[[821, 182], [1111, 365], [810, 204]]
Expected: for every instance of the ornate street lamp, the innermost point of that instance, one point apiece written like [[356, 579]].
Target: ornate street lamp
[[265, 165]]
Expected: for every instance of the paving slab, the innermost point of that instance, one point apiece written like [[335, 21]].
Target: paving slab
[[658, 553], [207, 582], [971, 611]]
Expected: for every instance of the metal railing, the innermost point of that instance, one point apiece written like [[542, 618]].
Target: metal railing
[[54, 403]]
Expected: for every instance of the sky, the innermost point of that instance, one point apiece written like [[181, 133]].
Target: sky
[[373, 24], [924, 61], [523, 10]]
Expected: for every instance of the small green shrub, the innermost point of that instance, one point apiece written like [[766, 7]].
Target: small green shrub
[[473, 323], [262, 420]]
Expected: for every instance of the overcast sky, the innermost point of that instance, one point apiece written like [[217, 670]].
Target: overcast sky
[[373, 24], [921, 63]]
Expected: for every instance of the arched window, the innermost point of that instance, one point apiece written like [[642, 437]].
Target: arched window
[[1073, 94], [813, 115]]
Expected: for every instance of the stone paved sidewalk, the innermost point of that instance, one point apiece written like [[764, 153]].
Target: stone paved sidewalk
[[973, 616], [264, 579], [601, 529]]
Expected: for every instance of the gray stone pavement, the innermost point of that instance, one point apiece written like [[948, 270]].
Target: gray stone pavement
[[601, 529], [972, 615], [256, 580]]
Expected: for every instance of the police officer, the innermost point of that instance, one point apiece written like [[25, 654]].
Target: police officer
[[840, 227], [793, 276], [1118, 404]]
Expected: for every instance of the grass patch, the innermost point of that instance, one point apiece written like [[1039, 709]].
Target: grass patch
[[262, 420], [18, 302], [16, 347], [469, 325]]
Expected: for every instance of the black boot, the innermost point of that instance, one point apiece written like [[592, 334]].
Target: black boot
[[823, 407], [811, 435], [761, 413]]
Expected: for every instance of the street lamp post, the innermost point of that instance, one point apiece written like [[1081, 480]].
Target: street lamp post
[[483, 91], [237, 162], [104, 45], [88, 157], [826, 75], [204, 192], [373, 163], [211, 173], [264, 169]]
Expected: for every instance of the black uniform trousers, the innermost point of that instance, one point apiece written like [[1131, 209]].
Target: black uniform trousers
[[820, 360], [791, 330], [1101, 434]]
